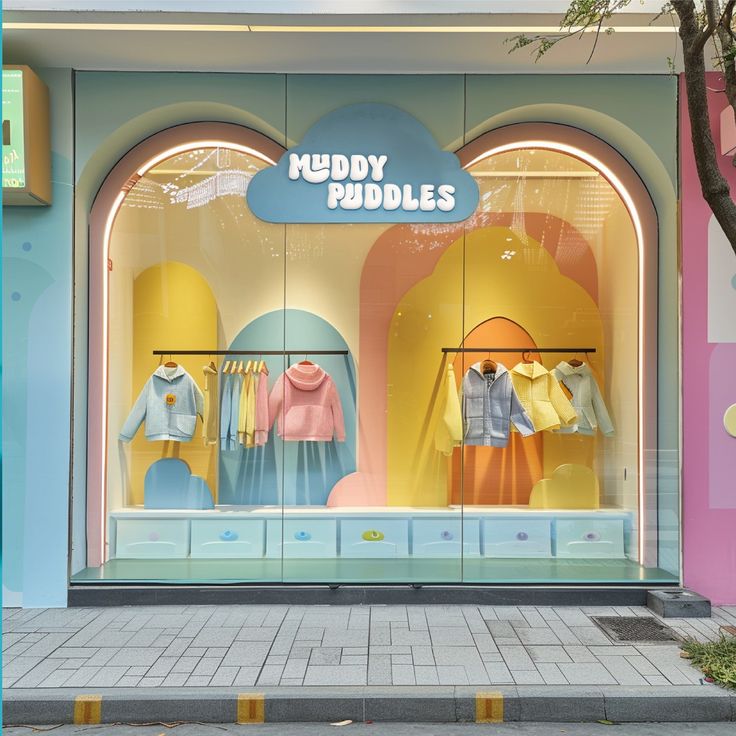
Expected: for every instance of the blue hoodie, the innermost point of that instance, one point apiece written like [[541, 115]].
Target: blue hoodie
[[169, 404]]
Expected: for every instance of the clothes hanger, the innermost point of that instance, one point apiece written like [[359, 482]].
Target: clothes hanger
[[524, 359], [170, 363], [262, 367], [212, 365], [248, 366], [306, 360], [575, 363], [226, 367]]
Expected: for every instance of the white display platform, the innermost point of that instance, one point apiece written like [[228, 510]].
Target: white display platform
[[368, 532]]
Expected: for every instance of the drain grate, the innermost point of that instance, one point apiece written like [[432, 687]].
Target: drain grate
[[635, 628]]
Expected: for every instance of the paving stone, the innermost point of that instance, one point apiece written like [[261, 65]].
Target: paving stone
[[657, 680], [151, 682], [355, 660], [36, 674], [527, 677], [207, 666], [224, 677], [573, 616], [56, 679], [586, 673], [270, 674], [484, 642], [335, 675], [248, 633], [452, 675], [216, 651], [379, 669], [299, 652], [44, 647], [107, 676], [620, 650], [110, 638], [145, 638], [422, 656], [345, 638], [450, 636], [137, 671], [135, 657], [72, 664], [623, 671], [295, 668], [73, 653], [563, 633], [501, 629], [491, 656], [185, 665], [355, 651], [389, 650], [195, 652], [580, 654], [16, 650], [474, 620], [403, 674], [215, 637], [81, 677], [177, 647], [388, 613], [246, 654], [426, 675], [463, 656], [417, 619], [175, 679], [277, 659], [533, 618], [325, 656], [516, 658], [409, 637], [247, 676], [548, 654], [197, 681], [379, 634], [551, 673], [537, 636], [162, 666], [642, 665], [590, 635]]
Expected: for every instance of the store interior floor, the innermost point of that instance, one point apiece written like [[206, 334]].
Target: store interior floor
[[359, 571]]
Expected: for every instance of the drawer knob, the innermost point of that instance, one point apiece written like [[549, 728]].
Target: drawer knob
[[447, 535], [372, 535], [302, 536], [228, 535], [522, 536], [591, 536], [154, 537]]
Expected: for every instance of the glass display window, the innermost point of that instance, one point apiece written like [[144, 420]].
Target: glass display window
[[375, 403]]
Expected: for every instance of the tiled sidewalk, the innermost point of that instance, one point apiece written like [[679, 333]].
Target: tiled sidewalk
[[262, 646]]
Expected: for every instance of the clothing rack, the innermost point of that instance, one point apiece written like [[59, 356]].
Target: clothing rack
[[250, 352], [518, 350]]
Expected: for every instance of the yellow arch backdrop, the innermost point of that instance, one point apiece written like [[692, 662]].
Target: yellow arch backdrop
[[527, 289], [173, 308]]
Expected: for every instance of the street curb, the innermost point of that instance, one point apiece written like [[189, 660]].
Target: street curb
[[434, 704]]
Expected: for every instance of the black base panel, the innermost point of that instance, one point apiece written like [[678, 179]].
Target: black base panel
[[109, 595]]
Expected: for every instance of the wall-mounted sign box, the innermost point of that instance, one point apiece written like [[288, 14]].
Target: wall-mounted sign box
[[26, 138]]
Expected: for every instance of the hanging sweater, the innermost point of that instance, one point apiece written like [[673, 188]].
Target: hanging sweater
[[169, 404], [586, 400], [262, 415], [306, 406], [449, 432], [541, 396], [210, 421]]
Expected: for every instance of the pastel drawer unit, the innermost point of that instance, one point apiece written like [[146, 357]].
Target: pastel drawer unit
[[374, 537], [445, 538], [590, 538], [302, 538], [152, 538], [228, 538], [517, 537]]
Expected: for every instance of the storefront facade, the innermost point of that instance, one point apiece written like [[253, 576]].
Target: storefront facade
[[570, 254]]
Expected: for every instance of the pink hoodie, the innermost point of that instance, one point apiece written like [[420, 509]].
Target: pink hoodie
[[307, 405]]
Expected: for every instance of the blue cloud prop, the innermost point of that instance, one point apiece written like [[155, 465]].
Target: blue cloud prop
[[368, 129]]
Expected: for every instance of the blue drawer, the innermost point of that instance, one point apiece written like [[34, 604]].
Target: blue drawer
[[152, 538], [590, 538], [517, 537], [445, 538], [302, 538], [374, 537], [228, 538]]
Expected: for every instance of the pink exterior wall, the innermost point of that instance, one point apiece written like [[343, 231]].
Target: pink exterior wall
[[709, 379]]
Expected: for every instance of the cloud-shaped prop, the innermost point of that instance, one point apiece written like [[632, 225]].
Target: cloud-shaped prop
[[364, 163]]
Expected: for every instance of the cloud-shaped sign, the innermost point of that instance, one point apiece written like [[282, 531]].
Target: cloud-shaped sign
[[364, 163]]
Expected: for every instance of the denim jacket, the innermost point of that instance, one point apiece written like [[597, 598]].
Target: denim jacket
[[169, 404], [490, 403]]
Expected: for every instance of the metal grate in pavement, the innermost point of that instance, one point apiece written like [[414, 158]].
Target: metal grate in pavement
[[639, 629]]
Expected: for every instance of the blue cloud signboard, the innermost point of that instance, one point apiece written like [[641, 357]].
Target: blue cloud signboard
[[364, 163]]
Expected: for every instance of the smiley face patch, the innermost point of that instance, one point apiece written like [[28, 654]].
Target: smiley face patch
[[170, 400]]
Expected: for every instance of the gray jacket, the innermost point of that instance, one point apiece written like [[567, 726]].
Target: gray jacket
[[586, 400], [490, 403]]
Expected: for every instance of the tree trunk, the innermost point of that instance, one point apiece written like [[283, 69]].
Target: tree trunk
[[714, 186]]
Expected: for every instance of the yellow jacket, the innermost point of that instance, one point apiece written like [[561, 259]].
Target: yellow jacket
[[540, 394], [449, 431]]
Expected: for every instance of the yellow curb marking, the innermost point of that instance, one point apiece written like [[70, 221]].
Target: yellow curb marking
[[87, 709], [489, 707], [250, 708]]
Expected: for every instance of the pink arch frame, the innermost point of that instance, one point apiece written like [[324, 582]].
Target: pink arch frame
[[105, 207], [561, 138]]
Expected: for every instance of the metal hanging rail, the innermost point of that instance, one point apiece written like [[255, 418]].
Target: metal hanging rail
[[250, 352], [518, 350]]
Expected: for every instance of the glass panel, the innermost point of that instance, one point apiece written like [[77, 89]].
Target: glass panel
[[192, 270], [550, 463]]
